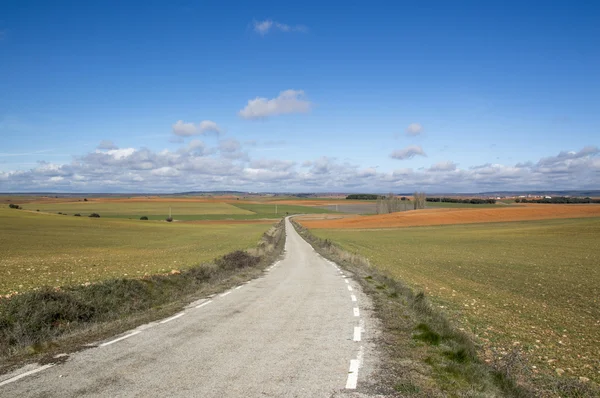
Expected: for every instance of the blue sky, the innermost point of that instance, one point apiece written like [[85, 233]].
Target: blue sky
[[314, 96]]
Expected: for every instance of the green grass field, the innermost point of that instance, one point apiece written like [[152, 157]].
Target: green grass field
[[46, 249], [534, 285], [184, 211], [153, 210]]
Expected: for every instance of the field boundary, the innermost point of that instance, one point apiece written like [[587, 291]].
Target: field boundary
[[37, 325], [423, 354]]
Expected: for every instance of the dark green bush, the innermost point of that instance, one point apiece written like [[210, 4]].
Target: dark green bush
[[14, 206], [143, 218], [237, 259], [169, 219], [77, 215], [94, 215]]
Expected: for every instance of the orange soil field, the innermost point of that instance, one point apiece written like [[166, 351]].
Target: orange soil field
[[456, 216]]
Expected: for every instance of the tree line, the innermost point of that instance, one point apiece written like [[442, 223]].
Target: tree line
[[474, 201], [558, 199]]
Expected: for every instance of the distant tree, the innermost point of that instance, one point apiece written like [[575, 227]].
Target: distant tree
[[169, 219], [77, 215], [94, 215], [14, 206], [362, 196], [85, 199], [420, 200], [143, 218]]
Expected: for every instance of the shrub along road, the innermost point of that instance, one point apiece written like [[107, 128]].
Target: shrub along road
[[301, 330]]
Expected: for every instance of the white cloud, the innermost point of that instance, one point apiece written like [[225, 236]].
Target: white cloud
[[443, 166], [182, 129], [119, 153], [288, 101], [408, 153], [414, 129], [207, 126], [264, 27], [197, 166]]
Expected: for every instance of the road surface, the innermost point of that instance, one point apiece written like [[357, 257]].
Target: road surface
[[300, 330]]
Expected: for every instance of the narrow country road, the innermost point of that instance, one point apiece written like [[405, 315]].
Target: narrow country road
[[297, 331]]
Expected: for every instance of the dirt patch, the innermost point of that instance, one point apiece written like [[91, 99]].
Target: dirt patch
[[457, 216]]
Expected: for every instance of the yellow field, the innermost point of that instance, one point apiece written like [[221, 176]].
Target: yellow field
[[47, 249]]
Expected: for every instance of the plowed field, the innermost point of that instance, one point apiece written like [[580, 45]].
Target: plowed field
[[457, 216]]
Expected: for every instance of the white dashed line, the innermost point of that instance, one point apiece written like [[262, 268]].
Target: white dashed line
[[225, 294], [356, 313], [349, 287], [355, 364], [352, 375], [172, 318], [203, 304], [120, 338], [31, 372], [353, 297], [357, 332]]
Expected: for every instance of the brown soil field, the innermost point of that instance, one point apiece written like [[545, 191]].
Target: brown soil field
[[446, 216]]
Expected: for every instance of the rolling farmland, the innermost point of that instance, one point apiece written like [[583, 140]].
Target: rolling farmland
[[50, 249], [531, 286]]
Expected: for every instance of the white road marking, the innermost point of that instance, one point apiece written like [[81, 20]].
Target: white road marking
[[225, 294], [349, 287], [353, 297], [356, 313], [352, 375], [203, 304], [31, 372], [120, 338], [357, 332], [346, 280], [239, 287], [355, 364], [172, 318]]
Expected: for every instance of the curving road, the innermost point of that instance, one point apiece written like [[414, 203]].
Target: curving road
[[297, 331]]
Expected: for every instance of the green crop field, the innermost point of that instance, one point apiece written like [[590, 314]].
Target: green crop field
[[271, 210], [532, 286], [158, 210], [184, 211], [46, 249]]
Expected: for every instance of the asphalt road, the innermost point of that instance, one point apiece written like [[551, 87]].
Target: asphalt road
[[300, 330]]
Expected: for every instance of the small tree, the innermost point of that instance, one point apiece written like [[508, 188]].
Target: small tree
[[94, 215], [419, 200], [143, 218], [169, 219]]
